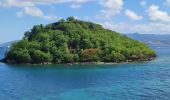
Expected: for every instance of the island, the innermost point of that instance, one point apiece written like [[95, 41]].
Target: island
[[76, 41]]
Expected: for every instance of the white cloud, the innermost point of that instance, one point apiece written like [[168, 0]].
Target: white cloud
[[58, 1], [111, 8], [73, 3], [36, 12], [167, 2], [148, 28], [30, 6], [75, 6], [86, 18], [132, 15], [143, 3], [157, 15], [33, 11], [15, 3], [24, 3], [51, 17]]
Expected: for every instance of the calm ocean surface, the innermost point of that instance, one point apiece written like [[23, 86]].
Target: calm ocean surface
[[135, 81]]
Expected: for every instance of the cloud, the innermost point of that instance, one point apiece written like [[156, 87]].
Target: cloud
[[15, 3], [132, 15], [87, 18], [111, 8], [75, 6], [35, 12], [58, 1], [28, 8], [157, 15], [73, 3], [148, 28], [32, 11], [167, 2], [25, 3], [143, 3]]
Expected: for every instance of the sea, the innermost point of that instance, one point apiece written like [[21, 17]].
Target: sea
[[132, 81]]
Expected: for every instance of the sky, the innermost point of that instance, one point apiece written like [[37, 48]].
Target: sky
[[124, 16]]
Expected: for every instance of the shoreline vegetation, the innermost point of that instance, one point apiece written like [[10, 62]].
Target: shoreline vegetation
[[72, 41], [81, 63]]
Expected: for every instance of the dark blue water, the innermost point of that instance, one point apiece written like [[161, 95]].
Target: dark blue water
[[136, 81]]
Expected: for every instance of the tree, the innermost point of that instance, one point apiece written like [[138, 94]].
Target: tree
[[61, 20], [40, 57], [20, 56], [117, 57], [71, 19]]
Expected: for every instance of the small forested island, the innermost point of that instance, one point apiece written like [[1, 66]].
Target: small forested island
[[71, 41]]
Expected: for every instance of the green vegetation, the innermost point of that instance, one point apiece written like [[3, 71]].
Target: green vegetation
[[71, 40]]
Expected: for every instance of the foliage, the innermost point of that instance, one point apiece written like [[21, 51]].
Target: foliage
[[73, 40]]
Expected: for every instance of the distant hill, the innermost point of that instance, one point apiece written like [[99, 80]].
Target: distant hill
[[4, 47], [72, 40], [152, 39], [7, 44]]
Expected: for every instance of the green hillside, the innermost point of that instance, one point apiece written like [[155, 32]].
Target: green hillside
[[72, 40]]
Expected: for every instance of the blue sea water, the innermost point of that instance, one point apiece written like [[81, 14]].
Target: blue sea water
[[135, 81]]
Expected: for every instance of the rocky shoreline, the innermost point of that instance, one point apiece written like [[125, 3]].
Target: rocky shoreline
[[76, 63]]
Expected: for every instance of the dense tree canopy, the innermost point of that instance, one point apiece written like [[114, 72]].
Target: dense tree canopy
[[72, 40]]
